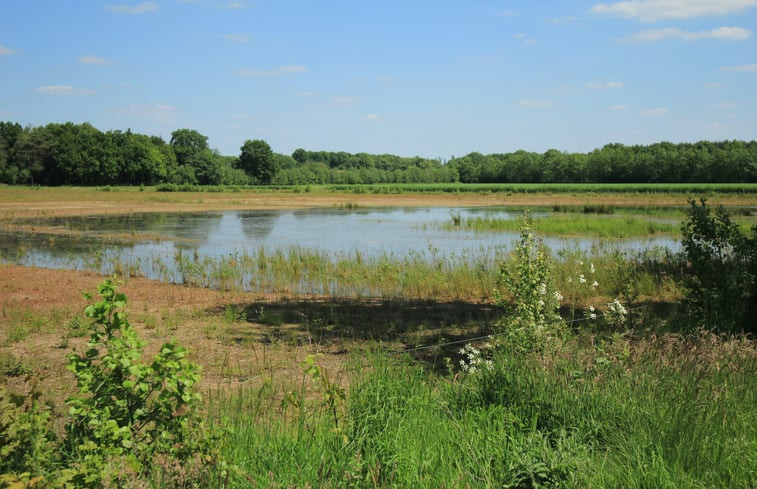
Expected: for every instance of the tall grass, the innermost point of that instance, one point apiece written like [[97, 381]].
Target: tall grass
[[667, 411], [468, 275], [574, 225]]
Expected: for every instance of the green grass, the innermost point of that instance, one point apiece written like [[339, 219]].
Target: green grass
[[574, 225], [673, 188], [665, 411]]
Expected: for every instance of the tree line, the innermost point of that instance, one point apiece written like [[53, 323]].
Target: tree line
[[80, 154]]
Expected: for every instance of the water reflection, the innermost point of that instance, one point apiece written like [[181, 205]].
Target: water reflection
[[153, 244]]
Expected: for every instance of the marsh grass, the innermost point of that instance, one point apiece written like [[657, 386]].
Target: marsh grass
[[574, 225]]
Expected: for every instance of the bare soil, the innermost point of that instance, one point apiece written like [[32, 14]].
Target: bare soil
[[231, 349]]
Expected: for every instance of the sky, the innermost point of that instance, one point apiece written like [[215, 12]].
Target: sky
[[436, 79]]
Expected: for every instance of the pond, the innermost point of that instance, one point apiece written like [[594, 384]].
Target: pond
[[154, 245]]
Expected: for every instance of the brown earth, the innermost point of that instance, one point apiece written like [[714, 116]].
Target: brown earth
[[38, 308]]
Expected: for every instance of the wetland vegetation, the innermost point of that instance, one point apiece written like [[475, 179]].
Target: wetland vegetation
[[523, 366]]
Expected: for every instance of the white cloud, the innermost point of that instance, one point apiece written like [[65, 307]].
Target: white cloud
[[142, 8], [747, 68], [568, 19], [524, 38], [533, 103], [371, 117], [5, 51], [656, 10], [238, 38], [55, 90], [619, 107], [345, 100], [292, 69], [654, 112], [162, 113], [605, 85], [92, 60], [306, 93], [281, 70], [721, 33]]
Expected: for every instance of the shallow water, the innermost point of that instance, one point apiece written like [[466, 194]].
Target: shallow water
[[144, 240]]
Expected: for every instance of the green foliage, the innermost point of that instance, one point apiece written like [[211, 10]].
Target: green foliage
[[722, 283], [532, 302], [128, 415], [26, 440], [257, 159], [79, 154]]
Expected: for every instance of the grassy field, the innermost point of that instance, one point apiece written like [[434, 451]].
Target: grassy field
[[363, 380]]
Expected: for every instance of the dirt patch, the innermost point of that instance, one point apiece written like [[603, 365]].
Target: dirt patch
[[41, 311]]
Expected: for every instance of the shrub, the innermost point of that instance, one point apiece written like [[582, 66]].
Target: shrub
[[533, 304], [129, 417], [722, 280]]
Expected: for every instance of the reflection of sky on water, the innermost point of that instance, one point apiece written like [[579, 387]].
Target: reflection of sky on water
[[373, 232]]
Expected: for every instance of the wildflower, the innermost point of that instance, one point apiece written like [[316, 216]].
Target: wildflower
[[570, 280], [593, 314], [557, 295], [542, 288], [594, 284], [591, 268], [617, 308], [582, 279]]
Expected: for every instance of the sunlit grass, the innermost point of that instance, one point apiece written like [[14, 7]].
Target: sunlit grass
[[611, 411], [573, 225]]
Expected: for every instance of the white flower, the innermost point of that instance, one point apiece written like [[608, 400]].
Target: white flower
[[593, 316], [542, 288], [617, 308], [592, 268], [570, 280], [591, 308], [594, 284], [557, 295], [582, 279]]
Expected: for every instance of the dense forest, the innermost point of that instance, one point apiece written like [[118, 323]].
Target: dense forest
[[80, 154]]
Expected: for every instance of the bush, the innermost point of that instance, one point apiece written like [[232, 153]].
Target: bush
[[129, 416], [722, 280], [533, 303]]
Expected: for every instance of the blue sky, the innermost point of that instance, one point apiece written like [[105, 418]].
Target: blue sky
[[430, 78]]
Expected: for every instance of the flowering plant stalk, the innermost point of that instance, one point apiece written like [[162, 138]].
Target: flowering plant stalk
[[533, 302]]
